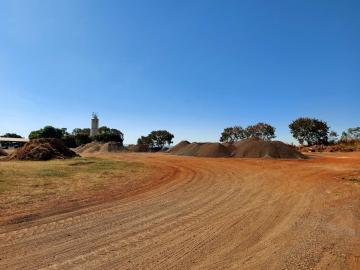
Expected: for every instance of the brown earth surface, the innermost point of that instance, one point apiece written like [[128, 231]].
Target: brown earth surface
[[200, 149], [248, 148], [42, 149], [3, 152], [94, 147], [204, 213]]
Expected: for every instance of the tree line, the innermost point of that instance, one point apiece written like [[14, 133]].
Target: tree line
[[305, 130], [154, 141], [78, 136]]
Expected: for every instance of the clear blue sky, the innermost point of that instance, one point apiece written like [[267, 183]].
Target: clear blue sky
[[192, 67]]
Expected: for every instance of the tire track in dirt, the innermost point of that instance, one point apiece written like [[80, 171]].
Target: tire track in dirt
[[211, 214]]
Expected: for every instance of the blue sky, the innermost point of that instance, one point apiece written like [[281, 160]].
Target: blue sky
[[192, 67]]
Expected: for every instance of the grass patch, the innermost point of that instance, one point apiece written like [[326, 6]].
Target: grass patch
[[23, 182]]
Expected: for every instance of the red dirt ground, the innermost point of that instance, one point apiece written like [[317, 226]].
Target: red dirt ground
[[206, 213]]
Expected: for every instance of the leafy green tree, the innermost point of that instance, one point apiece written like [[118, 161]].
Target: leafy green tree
[[233, 134], [352, 134], [47, 132], [106, 134], [104, 129], [156, 140], [77, 131], [333, 137], [160, 138], [11, 135], [310, 130], [261, 131], [82, 138], [145, 143], [69, 141]]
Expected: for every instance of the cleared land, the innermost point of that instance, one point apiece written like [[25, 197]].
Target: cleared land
[[31, 189], [188, 212]]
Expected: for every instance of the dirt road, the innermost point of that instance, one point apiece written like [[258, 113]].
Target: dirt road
[[207, 214]]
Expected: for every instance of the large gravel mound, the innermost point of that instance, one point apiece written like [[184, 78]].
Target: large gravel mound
[[255, 148], [42, 149], [179, 146], [249, 148], [93, 147], [202, 150]]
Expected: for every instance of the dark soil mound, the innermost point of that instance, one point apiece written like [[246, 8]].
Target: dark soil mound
[[255, 148], [42, 149], [3, 152], [203, 150], [179, 146], [230, 146]]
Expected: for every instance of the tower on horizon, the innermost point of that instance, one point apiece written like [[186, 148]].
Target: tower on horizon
[[94, 125]]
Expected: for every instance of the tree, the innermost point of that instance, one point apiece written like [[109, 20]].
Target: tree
[[160, 137], [69, 141], [261, 131], [104, 129], [309, 130], [232, 134], [85, 131], [106, 134], [145, 143], [352, 134], [82, 138], [156, 140], [333, 137], [47, 132], [11, 135]]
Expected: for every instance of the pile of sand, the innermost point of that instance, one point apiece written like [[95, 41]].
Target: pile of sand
[[249, 148], [255, 148], [3, 152], [200, 149], [42, 149], [94, 146]]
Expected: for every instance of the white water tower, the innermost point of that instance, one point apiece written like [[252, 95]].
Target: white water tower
[[94, 125]]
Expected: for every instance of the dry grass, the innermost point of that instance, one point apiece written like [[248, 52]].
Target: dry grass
[[30, 184]]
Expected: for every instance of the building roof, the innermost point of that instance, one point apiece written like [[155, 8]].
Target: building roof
[[8, 139]]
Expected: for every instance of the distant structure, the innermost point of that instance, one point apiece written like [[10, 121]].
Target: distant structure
[[94, 125], [6, 142]]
